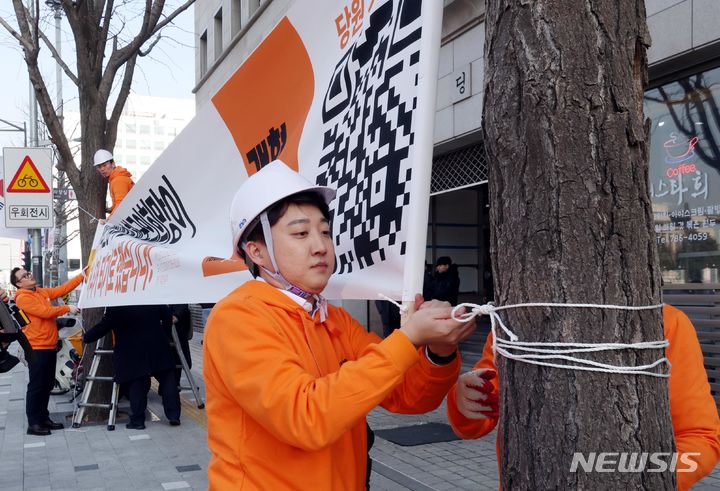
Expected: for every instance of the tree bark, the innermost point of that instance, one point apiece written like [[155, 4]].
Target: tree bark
[[571, 222]]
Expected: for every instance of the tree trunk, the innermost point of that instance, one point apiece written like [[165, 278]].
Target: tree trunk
[[571, 222]]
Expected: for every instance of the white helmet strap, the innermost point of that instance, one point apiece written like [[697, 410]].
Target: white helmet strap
[[277, 276]]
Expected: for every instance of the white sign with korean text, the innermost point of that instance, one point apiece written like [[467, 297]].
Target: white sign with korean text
[[28, 187]]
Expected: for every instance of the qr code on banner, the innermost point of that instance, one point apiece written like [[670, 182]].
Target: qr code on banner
[[367, 135]]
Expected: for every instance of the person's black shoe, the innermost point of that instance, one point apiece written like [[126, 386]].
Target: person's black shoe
[[51, 425], [38, 430], [135, 426], [174, 422]]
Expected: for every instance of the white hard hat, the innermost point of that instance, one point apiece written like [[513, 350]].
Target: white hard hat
[[102, 156], [269, 185]]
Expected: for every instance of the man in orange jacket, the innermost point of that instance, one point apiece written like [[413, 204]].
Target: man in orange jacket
[[42, 333], [289, 378], [119, 178], [473, 402]]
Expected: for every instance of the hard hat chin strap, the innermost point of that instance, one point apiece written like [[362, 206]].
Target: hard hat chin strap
[[278, 275]]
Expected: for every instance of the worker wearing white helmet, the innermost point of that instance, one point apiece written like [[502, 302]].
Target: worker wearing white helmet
[[289, 378], [119, 179]]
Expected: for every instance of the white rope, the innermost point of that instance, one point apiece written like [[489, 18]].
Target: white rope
[[538, 351], [87, 213], [403, 309]]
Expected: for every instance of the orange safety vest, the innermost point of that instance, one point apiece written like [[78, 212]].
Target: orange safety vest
[[42, 332], [287, 395]]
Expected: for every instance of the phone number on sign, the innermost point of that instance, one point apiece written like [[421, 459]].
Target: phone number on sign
[[680, 238]]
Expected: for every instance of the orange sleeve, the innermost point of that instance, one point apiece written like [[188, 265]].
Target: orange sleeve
[[66, 287], [423, 386], [473, 428], [120, 186], [692, 407], [32, 305], [258, 368]]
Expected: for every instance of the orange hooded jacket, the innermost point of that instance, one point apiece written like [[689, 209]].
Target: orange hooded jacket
[[42, 332], [694, 414], [287, 395], [120, 185]]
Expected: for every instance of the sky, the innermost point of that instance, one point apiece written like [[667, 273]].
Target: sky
[[168, 72]]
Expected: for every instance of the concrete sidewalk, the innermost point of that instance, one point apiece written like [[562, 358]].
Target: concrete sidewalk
[[164, 457]]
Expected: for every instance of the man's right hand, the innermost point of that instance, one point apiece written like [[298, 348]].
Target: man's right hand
[[432, 324], [74, 309], [475, 396], [3, 295]]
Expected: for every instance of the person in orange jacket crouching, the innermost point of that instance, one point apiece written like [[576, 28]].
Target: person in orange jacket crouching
[[289, 378], [473, 402], [42, 333], [119, 179]]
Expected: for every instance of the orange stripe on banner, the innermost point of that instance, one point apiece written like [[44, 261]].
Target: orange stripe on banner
[[266, 102]]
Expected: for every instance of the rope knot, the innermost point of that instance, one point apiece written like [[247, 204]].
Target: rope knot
[[485, 309]]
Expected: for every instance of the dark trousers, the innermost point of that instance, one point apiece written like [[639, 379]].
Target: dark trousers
[[138, 390], [42, 380], [389, 316]]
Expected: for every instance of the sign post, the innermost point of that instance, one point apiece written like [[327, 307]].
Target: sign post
[[28, 195]]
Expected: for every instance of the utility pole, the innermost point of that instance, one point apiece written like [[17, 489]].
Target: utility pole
[[60, 273], [35, 233]]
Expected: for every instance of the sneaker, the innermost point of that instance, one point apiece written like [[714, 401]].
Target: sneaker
[[135, 426]]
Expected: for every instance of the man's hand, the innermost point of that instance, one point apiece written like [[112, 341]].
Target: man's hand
[[475, 396], [3, 295], [74, 309], [431, 325]]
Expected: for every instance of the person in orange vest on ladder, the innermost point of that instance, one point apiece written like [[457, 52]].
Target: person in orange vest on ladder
[[473, 403], [119, 179], [289, 378]]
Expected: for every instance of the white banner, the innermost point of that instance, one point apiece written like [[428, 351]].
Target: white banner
[[343, 92]]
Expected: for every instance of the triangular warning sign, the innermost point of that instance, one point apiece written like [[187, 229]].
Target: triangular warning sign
[[28, 179]]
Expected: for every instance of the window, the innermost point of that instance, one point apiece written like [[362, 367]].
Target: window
[[235, 17], [203, 54], [217, 33], [145, 144], [144, 129], [159, 145], [159, 130], [129, 127], [685, 176], [145, 160], [254, 5], [131, 144]]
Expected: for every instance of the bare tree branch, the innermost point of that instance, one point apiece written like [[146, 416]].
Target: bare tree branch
[[23, 42], [172, 16], [58, 59], [123, 94]]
